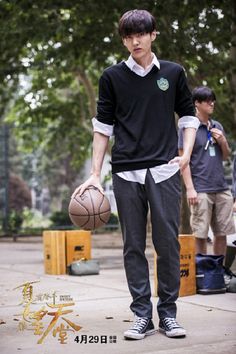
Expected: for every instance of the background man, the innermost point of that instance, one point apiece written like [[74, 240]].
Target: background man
[[208, 194]]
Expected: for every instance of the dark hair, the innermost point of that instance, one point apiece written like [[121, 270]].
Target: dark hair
[[136, 21], [203, 93]]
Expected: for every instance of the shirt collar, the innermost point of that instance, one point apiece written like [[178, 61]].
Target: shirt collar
[[131, 63], [208, 125]]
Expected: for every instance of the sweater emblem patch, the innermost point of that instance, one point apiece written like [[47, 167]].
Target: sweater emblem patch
[[163, 84]]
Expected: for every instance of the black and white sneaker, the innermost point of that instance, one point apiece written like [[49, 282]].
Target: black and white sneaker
[[141, 328], [171, 328]]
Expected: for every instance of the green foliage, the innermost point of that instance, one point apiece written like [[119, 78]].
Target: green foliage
[[53, 53], [60, 218], [33, 219], [15, 221], [52, 43], [113, 220]]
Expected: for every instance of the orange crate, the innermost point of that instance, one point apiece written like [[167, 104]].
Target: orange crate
[[187, 266], [78, 245], [54, 252], [64, 247]]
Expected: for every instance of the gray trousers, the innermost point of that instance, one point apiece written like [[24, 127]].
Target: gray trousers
[[133, 200]]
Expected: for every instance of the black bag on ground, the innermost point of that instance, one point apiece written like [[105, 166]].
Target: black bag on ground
[[84, 267], [210, 274], [230, 281]]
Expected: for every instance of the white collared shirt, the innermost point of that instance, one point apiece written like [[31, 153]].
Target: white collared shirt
[[138, 69], [159, 173]]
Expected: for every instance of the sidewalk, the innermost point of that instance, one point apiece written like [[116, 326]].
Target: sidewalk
[[101, 307]]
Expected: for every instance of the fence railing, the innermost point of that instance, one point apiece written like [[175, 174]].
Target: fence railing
[[39, 230]]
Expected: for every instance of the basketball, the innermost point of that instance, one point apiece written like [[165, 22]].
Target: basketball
[[89, 210]]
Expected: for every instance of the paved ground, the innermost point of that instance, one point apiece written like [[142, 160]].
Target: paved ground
[[101, 307]]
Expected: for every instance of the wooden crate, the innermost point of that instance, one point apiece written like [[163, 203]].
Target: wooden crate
[[187, 266], [63, 247], [54, 246], [78, 245]]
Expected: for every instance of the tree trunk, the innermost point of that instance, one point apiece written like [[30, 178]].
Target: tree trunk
[[83, 78]]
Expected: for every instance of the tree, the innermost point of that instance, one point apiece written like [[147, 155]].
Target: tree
[[54, 52], [19, 194], [67, 44]]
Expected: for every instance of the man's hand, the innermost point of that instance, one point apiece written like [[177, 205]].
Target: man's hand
[[218, 135], [192, 196], [183, 161], [91, 181], [221, 140]]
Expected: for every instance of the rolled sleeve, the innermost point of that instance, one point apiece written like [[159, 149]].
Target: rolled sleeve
[[188, 122], [102, 128]]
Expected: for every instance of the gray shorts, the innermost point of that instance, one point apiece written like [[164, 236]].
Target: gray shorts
[[215, 210]]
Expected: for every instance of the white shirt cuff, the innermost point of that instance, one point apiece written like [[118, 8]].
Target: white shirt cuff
[[102, 128], [188, 122]]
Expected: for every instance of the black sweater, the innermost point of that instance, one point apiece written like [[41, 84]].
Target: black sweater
[[142, 112]]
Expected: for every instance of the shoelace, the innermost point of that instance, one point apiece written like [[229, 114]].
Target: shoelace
[[140, 322], [171, 322]]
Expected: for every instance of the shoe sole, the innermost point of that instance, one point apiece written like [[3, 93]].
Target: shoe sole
[[140, 336], [173, 335]]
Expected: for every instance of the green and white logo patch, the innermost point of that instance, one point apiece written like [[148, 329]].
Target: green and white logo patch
[[163, 84]]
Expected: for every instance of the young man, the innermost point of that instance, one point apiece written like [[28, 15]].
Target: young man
[[137, 101], [209, 197]]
